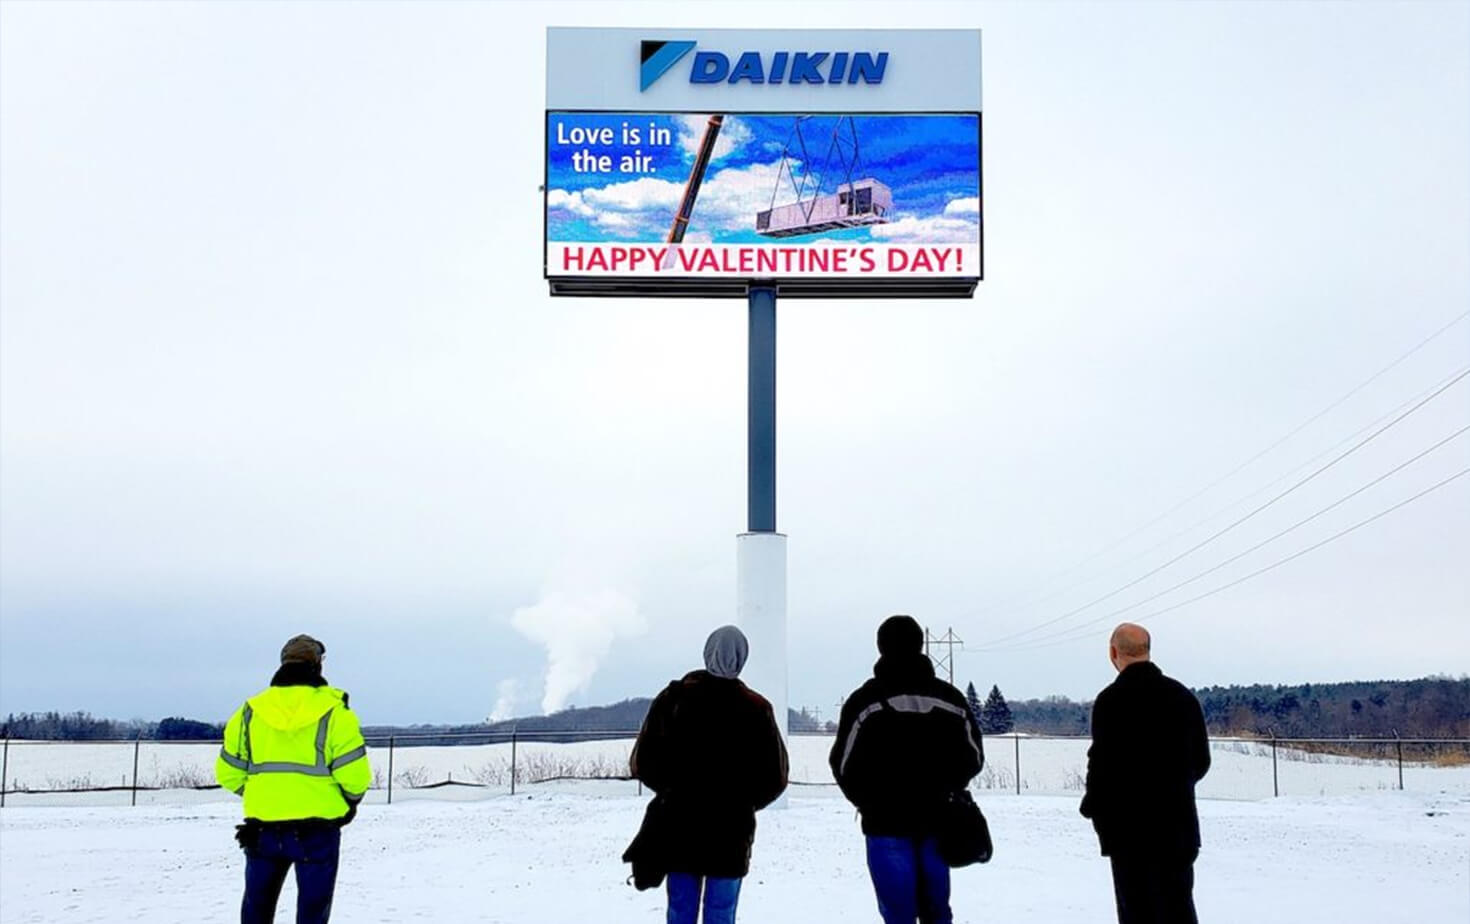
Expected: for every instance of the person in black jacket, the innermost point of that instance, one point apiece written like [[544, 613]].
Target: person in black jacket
[[1149, 749], [711, 750], [906, 741]]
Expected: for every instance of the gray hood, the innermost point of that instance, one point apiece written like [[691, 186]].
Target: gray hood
[[725, 652]]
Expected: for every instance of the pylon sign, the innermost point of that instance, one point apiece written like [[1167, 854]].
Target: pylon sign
[[822, 162]]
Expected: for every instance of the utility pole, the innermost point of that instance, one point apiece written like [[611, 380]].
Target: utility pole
[[946, 661]]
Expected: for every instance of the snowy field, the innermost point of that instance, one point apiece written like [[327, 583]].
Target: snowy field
[[1241, 770], [1339, 846], [551, 854]]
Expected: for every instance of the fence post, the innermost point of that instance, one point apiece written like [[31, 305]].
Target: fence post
[[137, 744], [1399, 746], [513, 760], [1017, 738], [391, 739], [5, 768], [1275, 782]]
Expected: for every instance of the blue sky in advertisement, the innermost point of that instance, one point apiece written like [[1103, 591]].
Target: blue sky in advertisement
[[605, 186]]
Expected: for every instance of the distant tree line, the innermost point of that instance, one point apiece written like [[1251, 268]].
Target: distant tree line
[[1053, 715], [567, 725], [180, 729], [70, 726], [83, 726], [1433, 707]]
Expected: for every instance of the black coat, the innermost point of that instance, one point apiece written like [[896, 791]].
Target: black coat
[[906, 740], [1148, 750], [711, 749]]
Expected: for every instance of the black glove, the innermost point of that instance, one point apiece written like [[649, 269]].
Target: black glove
[[346, 820], [248, 834]]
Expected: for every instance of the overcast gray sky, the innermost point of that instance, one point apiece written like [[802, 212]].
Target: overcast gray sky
[[276, 356]]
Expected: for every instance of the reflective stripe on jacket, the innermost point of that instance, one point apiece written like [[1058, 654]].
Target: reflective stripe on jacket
[[294, 752]]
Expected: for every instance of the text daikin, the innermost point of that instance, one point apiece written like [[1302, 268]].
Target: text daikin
[[791, 67]]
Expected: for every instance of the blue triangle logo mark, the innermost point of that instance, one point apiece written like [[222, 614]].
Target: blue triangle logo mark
[[657, 58]]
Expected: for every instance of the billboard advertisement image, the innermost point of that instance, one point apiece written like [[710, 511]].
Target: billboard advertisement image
[[844, 198]]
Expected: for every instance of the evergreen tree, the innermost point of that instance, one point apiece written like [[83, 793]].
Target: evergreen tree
[[995, 716], [974, 700]]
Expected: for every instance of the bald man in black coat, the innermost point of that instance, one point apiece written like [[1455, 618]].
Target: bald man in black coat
[[1149, 749]]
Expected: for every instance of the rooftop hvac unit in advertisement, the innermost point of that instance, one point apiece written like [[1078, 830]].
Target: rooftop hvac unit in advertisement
[[861, 202]]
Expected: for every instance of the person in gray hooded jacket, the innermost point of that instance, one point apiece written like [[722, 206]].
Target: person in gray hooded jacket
[[710, 748]]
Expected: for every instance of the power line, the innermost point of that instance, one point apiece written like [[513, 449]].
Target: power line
[[1319, 415], [1259, 545], [1293, 432], [1143, 553], [1260, 571], [1204, 542]]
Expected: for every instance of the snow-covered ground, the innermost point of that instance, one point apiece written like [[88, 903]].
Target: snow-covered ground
[[1340, 846], [1241, 769], [551, 854]]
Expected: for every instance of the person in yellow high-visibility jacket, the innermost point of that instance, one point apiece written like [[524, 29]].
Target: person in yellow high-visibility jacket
[[295, 752]]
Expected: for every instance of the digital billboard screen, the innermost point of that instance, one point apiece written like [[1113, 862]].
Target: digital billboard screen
[[864, 203]]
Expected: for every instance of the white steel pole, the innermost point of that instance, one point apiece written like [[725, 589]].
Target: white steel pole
[[760, 592]]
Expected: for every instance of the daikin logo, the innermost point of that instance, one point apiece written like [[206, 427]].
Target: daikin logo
[[658, 57], [782, 67]]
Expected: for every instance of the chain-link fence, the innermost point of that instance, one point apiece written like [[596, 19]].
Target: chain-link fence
[[471, 765]]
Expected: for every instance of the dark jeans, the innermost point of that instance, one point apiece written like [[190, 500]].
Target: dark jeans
[[1154, 889], [720, 896], [312, 849], [911, 880]]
